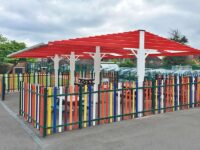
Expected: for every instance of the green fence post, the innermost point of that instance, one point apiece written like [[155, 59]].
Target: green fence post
[[45, 112], [62, 79], [46, 78], [80, 106], [8, 83], [34, 77], [3, 88], [153, 95], [29, 78], [58, 77], [18, 82]]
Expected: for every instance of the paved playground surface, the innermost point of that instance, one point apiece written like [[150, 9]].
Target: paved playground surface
[[169, 131]]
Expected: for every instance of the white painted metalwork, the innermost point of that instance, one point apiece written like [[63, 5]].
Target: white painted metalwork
[[141, 55], [56, 59]]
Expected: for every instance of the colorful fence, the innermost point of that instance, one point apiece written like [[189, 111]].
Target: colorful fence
[[10, 82], [52, 109]]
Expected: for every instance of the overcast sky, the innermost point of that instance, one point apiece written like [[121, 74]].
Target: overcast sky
[[35, 21]]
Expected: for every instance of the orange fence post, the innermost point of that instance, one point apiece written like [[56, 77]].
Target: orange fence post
[[41, 111]]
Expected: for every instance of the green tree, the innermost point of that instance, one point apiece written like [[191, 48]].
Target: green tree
[[178, 37], [8, 47], [3, 39], [175, 35], [128, 63]]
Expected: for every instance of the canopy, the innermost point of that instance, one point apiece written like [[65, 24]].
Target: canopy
[[131, 44], [113, 45]]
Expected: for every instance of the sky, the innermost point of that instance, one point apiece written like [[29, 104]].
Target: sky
[[36, 21]]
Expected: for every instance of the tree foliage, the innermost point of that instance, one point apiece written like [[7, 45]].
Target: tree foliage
[[128, 63], [175, 35], [8, 47]]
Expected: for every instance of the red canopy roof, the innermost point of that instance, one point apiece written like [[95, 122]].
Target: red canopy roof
[[112, 44]]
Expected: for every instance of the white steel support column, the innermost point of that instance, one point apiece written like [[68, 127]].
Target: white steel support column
[[141, 70], [97, 66], [72, 61], [56, 59], [141, 55]]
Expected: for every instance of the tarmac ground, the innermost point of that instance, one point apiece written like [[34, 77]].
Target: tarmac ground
[[178, 130]]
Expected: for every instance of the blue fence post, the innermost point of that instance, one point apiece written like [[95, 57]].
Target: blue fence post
[[80, 107], [54, 108]]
